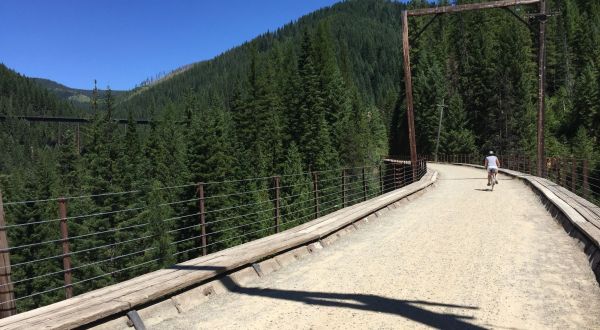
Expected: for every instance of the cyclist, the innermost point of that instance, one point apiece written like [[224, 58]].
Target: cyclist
[[492, 163]]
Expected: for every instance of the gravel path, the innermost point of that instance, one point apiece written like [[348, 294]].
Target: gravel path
[[457, 257]]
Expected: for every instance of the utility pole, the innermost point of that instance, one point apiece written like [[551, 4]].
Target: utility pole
[[437, 143]]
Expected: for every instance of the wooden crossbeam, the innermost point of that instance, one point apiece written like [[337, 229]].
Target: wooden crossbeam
[[469, 6]]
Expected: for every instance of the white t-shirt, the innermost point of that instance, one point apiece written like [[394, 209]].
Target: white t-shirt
[[492, 161]]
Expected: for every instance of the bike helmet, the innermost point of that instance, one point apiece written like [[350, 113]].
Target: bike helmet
[[491, 152]]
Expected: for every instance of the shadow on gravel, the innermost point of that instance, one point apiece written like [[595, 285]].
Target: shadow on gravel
[[406, 308], [409, 309], [480, 178], [457, 179], [487, 189]]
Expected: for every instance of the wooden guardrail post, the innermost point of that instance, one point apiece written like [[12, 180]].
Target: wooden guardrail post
[[7, 293], [64, 236], [573, 175], [202, 216], [364, 179], [277, 204], [586, 184], [316, 191]]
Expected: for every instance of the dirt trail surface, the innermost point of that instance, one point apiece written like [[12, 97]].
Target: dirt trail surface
[[457, 257]]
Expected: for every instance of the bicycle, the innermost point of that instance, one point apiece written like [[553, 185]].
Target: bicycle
[[494, 173]]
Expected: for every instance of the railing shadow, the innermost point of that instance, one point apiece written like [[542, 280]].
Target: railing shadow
[[480, 178], [409, 309]]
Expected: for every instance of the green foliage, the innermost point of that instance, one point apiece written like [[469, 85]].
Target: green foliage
[[320, 94], [158, 229]]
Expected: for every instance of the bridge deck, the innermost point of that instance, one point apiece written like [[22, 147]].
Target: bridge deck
[[458, 256]]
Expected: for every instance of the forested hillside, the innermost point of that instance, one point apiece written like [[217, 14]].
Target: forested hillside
[[481, 64], [319, 94], [19, 141], [80, 97]]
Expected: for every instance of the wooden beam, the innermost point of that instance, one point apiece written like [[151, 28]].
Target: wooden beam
[[470, 6]]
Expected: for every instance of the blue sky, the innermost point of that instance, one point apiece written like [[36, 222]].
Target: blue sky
[[122, 42]]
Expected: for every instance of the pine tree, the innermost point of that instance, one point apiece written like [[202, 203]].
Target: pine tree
[[296, 191], [158, 228], [457, 138]]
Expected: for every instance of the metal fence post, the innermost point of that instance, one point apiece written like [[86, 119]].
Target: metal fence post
[[64, 236], [558, 171], [586, 184], [277, 204], [344, 188], [364, 178], [381, 179], [316, 191], [7, 293], [573, 175], [202, 216], [395, 176]]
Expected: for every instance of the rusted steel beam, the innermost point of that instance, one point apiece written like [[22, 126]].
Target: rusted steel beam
[[364, 179], [7, 293], [202, 216], [381, 184], [424, 28], [520, 19], [316, 192], [409, 96], [468, 7], [344, 188], [64, 236], [277, 204], [586, 183], [395, 176], [573, 175], [541, 91]]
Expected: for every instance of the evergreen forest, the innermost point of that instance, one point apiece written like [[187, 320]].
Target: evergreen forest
[[320, 94]]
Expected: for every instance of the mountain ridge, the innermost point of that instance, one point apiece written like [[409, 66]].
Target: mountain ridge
[[76, 95]]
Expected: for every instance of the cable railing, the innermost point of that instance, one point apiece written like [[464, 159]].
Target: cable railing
[[579, 176], [53, 248]]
